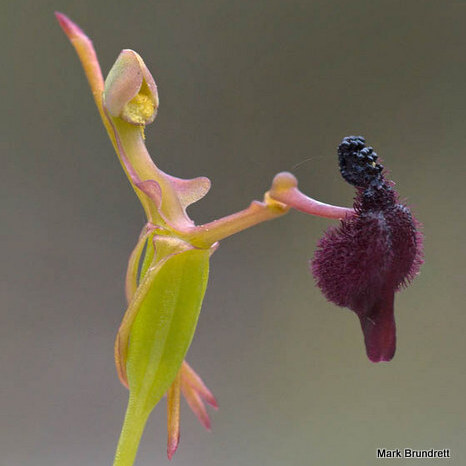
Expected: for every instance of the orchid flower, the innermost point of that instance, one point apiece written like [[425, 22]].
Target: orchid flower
[[169, 267]]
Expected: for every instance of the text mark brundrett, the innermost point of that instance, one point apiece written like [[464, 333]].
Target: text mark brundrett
[[413, 453]]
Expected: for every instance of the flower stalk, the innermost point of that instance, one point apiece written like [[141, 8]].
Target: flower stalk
[[133, 427]]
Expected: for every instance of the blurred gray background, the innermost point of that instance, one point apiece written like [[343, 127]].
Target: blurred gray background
[[247, 89]]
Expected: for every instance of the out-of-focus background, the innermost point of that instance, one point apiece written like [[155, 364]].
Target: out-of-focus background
[[247, 89]]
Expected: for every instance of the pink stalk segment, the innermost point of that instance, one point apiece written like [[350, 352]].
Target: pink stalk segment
[[285, 190]]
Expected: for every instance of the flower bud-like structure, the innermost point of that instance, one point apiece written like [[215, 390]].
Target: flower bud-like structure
[[372, 254], [130, 90]]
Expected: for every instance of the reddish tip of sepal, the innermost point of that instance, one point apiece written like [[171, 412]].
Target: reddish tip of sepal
[[71, 29], [207, 424], [208, 397], [212, 401], [172, 446]]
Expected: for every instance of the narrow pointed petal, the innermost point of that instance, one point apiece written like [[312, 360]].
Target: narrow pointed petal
[[71, 29], [173, 416], [379, 329], [190, 377], [87, 56], [196, 404]]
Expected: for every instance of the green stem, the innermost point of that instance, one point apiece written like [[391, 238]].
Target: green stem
[[131, 433]]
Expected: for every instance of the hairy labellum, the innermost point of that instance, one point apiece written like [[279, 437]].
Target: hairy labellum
[[362, 263]]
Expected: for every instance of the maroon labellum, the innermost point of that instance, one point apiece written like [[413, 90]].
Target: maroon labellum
[[372, 254]]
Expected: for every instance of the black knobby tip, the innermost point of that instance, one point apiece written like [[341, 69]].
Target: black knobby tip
[[358, 163]]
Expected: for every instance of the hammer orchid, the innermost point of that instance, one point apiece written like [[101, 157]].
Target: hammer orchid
[[169, 267]]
